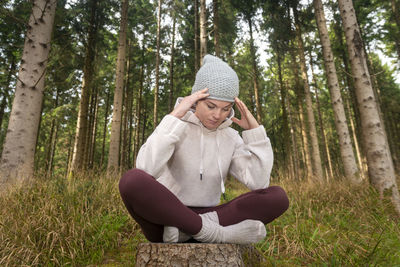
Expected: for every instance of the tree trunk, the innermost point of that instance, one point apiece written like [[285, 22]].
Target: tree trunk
[[216, 28], [321, 125], [196, 36], [380, 164], [105, 128], [138, 110], [304, 137], [396, 14], [203, 30], [171, 66], [127, 118], [69, 155], [3, 103], [285, 124], [316, 158], [197, 254], [294, 155], [355, 139], [346, 147], [93, 134], [90, 135], [51, 142], [17, 160], [255, 72], [82, 122], [115, 138], [155, 111]]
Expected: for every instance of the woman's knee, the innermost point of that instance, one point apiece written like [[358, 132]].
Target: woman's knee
[[279, 197], [132, 181]]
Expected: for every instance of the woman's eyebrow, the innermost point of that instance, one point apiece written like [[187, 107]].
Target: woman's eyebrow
[[229, 105]]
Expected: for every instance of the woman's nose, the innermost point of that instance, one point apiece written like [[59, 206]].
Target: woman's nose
[[217, 114]]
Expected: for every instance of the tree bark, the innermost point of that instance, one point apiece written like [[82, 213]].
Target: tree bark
[[196, 36], [171, 66], [82, 122], [138, 110], [355, 139], [346, 147], [321, 125], [285, 124], [304, 137], [103, 146], [294, 155], [155, 111], [255, 72], [380, 164], [203, 30], [316, 158], [115, 138], [17, 160], [216, 28], [125, 152], [197, 254]]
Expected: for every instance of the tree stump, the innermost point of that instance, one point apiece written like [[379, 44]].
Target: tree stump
[[197, 254]]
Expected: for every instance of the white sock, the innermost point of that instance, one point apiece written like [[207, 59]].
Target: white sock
[[245, 232], [173, 235]]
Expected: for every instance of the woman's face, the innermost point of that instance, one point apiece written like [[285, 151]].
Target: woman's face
[[212, 112]]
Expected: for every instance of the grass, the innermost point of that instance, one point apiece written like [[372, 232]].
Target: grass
[[83, 222]]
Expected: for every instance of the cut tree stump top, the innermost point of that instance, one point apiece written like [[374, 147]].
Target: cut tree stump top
[[197, 254]]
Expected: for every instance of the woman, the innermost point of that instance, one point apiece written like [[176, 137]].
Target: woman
[[175, 191]]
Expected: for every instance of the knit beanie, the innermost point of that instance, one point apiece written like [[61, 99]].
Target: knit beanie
[[220, 79]]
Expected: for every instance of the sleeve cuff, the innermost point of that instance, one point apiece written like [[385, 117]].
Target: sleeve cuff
[[254, 135]]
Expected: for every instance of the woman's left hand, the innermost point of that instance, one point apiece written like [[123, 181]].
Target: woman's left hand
[[247, 120]]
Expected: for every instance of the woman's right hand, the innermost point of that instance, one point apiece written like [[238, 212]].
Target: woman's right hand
[[187, 102]]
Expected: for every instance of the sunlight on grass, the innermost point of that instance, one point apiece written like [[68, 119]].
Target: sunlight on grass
[[83, 222]]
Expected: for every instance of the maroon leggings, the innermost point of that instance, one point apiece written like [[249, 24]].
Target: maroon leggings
[[152, 205]]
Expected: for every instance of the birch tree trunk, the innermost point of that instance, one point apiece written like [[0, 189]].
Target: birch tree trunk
[[155, 110], [316, 158], [380, 164], [346, 147], [203, 30], [216, 28], [115, 138], [17, 160], [77, 162]]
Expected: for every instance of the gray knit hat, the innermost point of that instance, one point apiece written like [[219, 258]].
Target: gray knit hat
[[220, 79]]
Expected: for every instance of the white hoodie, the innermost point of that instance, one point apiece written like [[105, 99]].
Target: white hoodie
[[193, 161]]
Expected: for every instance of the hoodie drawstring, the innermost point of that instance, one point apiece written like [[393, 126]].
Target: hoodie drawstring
[[219, 166], [201, 152]]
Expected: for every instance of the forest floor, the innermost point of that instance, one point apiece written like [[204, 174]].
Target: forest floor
[[83, 222]]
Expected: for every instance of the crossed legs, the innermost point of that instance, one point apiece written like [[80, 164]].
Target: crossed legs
[[153, 206]]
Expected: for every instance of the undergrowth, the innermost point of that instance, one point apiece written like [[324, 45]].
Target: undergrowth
[[82, 222]]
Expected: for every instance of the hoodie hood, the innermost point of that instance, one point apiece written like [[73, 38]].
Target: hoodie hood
[[192, 118]]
